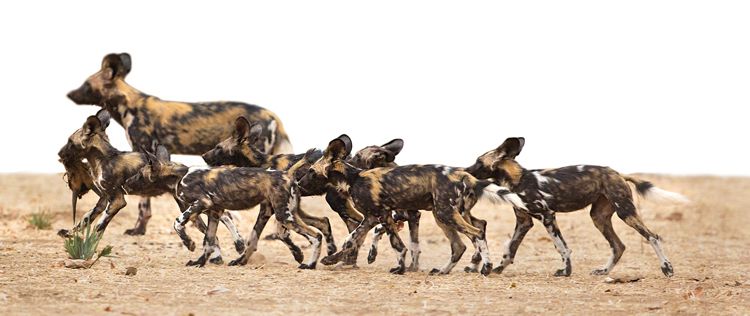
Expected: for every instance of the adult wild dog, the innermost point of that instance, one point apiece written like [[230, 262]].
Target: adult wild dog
[[448, 192], [183, 128], [214, 189], [239, 150], [567, 189], [108, 170]]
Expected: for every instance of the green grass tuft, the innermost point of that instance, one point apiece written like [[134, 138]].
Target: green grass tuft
[[83, 245], [40, 220]]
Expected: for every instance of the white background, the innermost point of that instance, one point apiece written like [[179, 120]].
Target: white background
[[642, 86]]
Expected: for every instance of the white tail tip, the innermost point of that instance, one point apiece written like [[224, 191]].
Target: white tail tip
[[664, 195], [502, 195]]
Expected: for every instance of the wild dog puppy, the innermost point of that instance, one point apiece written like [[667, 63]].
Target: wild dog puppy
[[183, 128], [214, 189], [108, 170], [383, 156], [549, 191], [239, 150], [377, 192]]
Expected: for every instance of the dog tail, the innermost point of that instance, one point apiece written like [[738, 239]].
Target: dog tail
[[496, 194], [648, 190]]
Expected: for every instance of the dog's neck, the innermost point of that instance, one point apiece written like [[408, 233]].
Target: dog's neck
[[343, 172], [127, 99], [100, 153], [510, 172]]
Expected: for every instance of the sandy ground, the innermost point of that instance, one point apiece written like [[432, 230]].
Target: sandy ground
[[707, 242]]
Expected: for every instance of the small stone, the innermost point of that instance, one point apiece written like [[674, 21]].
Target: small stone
[[131, 271]]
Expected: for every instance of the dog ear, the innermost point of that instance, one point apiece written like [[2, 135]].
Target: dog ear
[[340, 147], [241, 129], [511, 147], [104, 117], [392, 149], [92, 125], [119, 64], [255, 132], [162, 154]]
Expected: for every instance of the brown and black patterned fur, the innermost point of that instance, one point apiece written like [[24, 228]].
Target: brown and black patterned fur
[[384, 156], [377, 192], [108, 170], [239, 150], [566, 189], [183, 128], [214, 189]]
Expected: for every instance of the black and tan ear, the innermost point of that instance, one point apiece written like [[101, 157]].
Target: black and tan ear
[[392, 149], [92, 126], [340, 147], [511, 147], [119, 64], [241, 129], [104, 117], [162, 154]]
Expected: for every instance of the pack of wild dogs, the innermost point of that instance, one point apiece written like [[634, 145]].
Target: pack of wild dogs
[[250, 164]]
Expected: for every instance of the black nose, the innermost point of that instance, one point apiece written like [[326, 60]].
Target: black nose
[[70, 94]]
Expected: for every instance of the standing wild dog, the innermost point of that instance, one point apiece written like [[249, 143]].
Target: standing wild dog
[[448, 192], [214, 189], [383, 156], [108, 170], [568, 189], [239, 150], [183, 128]]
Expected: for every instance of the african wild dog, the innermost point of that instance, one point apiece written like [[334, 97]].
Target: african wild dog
[[214, 189], [239, 150], [448, 192], [183, 128], [108, 170], [383, 156], [568, 189]]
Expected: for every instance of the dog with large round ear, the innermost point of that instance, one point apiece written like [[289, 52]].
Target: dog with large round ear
[[100, 88], [485, 165], [118, 64], [377, 156], [392, 149], [510, 148], [245, 132], [339, 148]]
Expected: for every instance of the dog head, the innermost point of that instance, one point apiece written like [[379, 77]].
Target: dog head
[[102, 88], [499, 163], [377, 156], [331, 161], [159, 169], [91, 136], [239, 149]]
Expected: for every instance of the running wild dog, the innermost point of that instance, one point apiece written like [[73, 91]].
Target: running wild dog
[[567, 189], [108, 169], [448, 192], [183, 128], [214, 189], [239, 150]]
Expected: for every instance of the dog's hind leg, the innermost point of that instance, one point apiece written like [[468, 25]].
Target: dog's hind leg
[[626, 211], [457, 246], [476, 258], [601, 214], [144, 214], [413, 220], [323, 225], [239, 242]]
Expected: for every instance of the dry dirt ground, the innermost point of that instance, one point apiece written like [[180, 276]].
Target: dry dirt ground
[[707, 241]]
